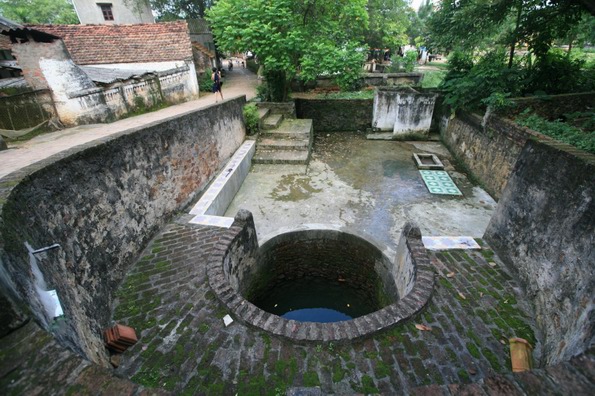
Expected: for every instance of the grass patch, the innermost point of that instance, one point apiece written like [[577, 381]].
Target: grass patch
[[364, 94]]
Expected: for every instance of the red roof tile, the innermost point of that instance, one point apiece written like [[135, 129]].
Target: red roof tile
[[144, 42]]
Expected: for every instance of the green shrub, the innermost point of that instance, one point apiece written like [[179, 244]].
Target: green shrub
[[433, 79], [489, 82], [409, 61], [251, 118], [559, 130], [205, 83], [557, 73]]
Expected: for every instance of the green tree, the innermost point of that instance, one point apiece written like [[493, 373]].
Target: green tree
[[388, 23], [39, 11], [168, 10], [315, 37], [418, 30], [473, 24]]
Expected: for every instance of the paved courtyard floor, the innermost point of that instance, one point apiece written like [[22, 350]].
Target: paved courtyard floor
[[477, 305], [184, 346]]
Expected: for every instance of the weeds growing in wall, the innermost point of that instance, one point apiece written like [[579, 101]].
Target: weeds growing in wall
[[582, 138]]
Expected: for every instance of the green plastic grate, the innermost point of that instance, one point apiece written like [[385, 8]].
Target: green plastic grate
[[439, 182]]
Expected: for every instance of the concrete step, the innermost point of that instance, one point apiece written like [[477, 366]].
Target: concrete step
[[263, 113], [270, 143], [272, 121], [281, 157], [291, 129]]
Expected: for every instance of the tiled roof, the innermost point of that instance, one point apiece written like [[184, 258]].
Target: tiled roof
[[143, 42]]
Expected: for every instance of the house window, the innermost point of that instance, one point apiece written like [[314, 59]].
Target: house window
[[106, 10]]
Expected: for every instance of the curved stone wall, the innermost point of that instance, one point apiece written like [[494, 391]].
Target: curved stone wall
[[235, 262], [102, 202], [322, 253]]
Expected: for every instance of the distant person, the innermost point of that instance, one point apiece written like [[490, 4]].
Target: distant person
[[229, 66], [243, 65], [216, 78]]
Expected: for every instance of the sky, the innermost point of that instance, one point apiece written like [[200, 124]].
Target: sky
[[415, 4]]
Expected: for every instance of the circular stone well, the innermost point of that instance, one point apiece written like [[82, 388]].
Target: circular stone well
[[254, 283], [320, 276]]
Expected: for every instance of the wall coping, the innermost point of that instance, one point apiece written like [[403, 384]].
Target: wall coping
[[308, 332]]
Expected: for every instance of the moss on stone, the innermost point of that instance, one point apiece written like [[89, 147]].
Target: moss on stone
[[368, 386], [492, 359], [203, 328], [444, 282], [157, 249], [163, 265], [338, 372], [311, 379], [149, 378], [382, 369], [463, 375], [452, 356], [473, 350]]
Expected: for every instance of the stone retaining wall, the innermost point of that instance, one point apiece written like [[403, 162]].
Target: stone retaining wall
[[489, 152], [102, 202], [543, 224], [543, 228], [236, 250], [336, 115]]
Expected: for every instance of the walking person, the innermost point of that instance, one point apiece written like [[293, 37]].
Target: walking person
[[216, 78]]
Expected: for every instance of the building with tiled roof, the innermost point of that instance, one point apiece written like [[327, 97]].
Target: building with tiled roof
[[137, 43], [113, 11], [98, 73]]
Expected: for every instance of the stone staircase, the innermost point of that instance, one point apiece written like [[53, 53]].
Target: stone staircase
[[283, 139]]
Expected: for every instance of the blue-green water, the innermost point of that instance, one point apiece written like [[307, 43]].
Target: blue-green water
[[316, 300]]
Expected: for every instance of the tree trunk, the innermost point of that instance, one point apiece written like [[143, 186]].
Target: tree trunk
[[516, 33], [278, 85]]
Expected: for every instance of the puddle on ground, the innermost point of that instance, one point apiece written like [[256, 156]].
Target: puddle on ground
[[292, 188]]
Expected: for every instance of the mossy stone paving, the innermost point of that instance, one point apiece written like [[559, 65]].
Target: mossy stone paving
[[184, 346]]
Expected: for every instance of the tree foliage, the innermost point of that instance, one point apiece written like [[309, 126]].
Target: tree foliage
[[388, 23], [476, 24], [39, 11], [168, 10], [317, 37]]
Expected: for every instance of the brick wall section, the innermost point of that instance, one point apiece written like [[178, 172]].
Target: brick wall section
[[102, 202], [134, 43], [543, 229], [336, 115]]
